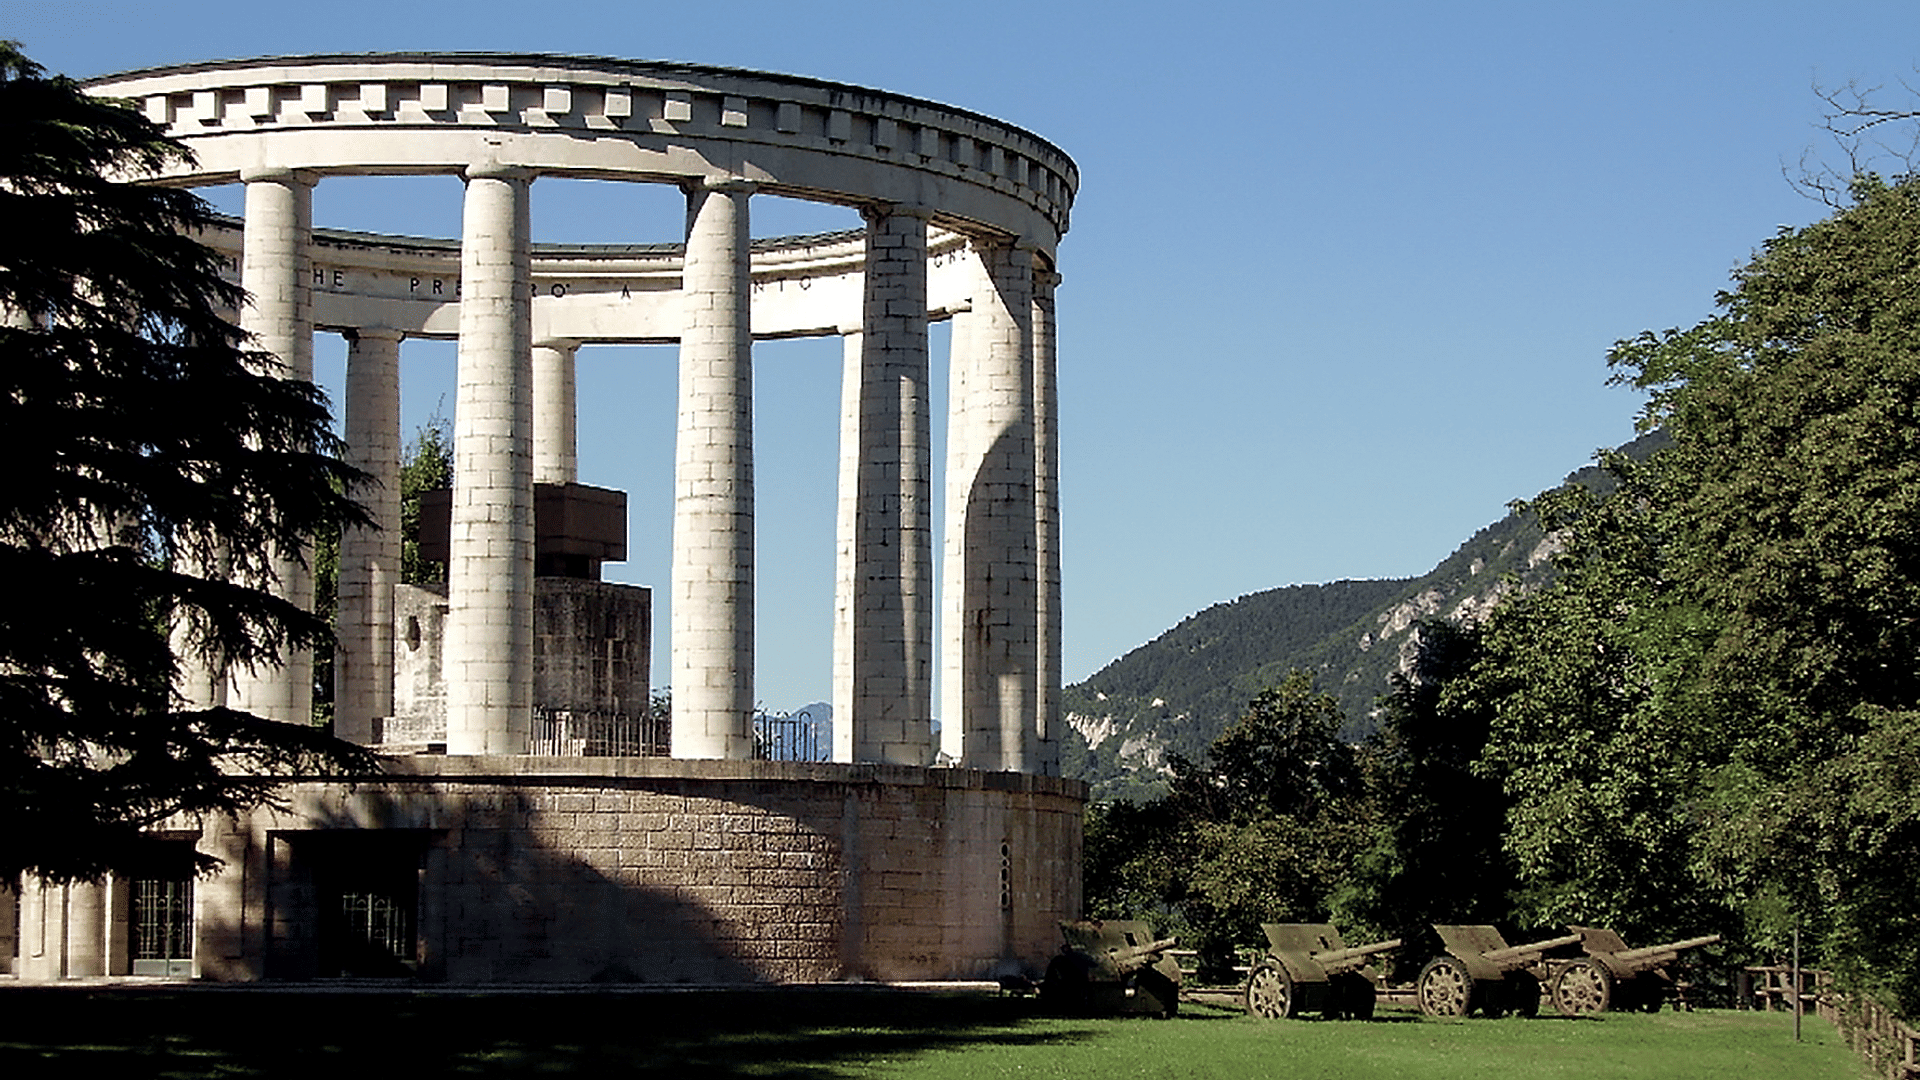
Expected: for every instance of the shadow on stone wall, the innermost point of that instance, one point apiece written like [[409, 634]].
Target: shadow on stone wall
[[511, 870], [491, 902]]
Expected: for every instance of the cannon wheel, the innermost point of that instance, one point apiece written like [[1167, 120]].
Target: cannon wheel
[[1355, 995], [1582, 987], [1446, 988], [1270, 992]]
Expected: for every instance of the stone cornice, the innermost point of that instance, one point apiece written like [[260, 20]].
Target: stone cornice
[[422, 113]]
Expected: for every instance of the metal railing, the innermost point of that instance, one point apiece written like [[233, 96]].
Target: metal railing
[[599, 733], [794, 736]]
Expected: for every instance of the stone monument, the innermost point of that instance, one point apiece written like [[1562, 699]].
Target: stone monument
[[513, 856]]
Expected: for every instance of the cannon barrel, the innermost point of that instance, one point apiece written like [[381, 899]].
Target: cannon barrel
[[1134, 957], [1338, 960], [1529, 952], [1632, 955]]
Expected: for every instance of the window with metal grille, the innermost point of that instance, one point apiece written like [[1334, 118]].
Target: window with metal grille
[[160, 922], [379, 921]]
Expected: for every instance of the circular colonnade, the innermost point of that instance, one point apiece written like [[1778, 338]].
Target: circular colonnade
[[962, 217]]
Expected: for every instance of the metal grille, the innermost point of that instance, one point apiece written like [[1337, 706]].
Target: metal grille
[[599, 733], [383, 921], [788, 737], [161, 920]]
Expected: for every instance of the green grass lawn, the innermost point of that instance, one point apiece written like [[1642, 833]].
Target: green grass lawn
[[79, 1034]]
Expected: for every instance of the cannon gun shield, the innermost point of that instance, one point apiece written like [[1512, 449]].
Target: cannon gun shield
[[1309, 969], [1112, 966], [1613, 976], [1482, 973]]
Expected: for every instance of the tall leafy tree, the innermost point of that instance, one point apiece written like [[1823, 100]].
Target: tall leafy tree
[[144, 441], [1796, 479], [1436, 854], [1597, 762], [1712, 714]]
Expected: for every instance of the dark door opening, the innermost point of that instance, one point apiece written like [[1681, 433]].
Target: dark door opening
[[367, 893]]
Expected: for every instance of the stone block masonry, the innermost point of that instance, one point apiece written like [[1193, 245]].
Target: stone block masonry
[[661, 871]]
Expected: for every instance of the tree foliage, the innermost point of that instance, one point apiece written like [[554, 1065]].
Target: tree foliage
[[1708, 718], [427, 465], [1260, 832], [146, 446], [1435, 851]]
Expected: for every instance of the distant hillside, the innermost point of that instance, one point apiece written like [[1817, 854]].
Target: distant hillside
[[1176, 693]]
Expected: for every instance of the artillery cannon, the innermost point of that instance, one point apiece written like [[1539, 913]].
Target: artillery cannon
[[1309, 969], [1481, 971], [1612, 976], [1112, 966]]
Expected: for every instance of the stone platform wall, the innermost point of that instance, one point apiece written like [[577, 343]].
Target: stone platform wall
[[544, 870]]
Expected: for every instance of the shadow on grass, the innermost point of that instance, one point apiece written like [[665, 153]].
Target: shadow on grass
[[1214, 1005], [804, 1035]]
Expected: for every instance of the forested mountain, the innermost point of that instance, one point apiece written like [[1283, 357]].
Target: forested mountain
[[1176, 693]]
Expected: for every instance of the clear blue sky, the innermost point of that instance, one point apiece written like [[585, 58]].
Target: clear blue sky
[[1340, 279]]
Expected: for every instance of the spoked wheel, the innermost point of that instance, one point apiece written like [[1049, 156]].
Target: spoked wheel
[[1582, 987], [1446, 989], [1270, 992]]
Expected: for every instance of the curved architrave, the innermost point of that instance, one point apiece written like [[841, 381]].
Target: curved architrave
[[803, 286], [595, 118]]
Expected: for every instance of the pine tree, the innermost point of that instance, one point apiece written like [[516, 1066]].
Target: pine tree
[[143, 441]]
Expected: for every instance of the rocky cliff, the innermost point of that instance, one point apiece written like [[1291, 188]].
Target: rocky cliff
[[1176, 693]]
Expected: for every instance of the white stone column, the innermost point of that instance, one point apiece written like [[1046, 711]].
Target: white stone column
[[953, 730], [42, 930], [890, 646], [845, 520], [556, 455], [369, 558], [993, 536], [713, 484], [279, 314], [119, 910], [86, 944], [1046, 509], [489, 637]]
